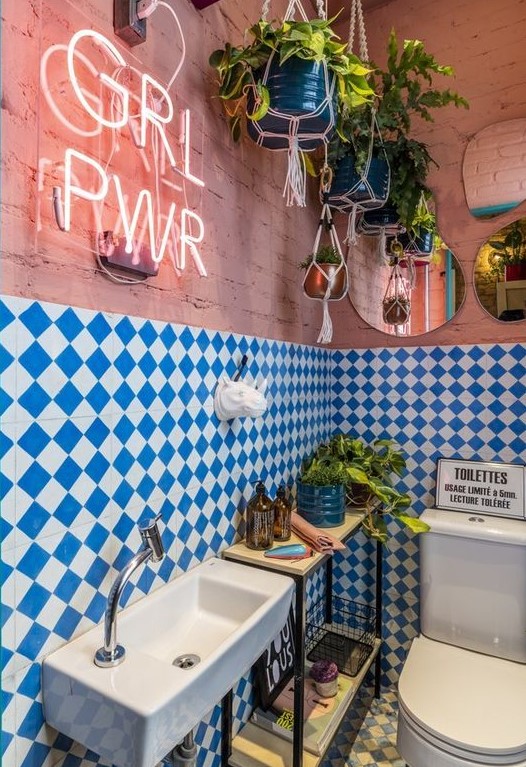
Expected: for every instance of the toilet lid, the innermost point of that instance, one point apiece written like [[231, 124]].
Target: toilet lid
[[473, 701]]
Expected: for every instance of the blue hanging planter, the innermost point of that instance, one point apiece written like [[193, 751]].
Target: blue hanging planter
[[420, 244], [350, 188], [322, 506], [298, 89], [383, 217]]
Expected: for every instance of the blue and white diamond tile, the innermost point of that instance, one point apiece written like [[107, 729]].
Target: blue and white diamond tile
[[7, 486], [145, 460], [145, 364], [64, 362], [506, 370], [63, 475], [9, 309], [8, 608], [61, 583], [198, 367], [8, 738]]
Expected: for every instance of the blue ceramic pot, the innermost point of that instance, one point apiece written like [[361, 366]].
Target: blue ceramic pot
[[297, 89], [386, 216], [322, 506], [421, 244], [349, 185]]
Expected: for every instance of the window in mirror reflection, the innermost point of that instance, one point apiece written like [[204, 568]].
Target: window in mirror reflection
[[500, 273], [435, 285], [494, 168]]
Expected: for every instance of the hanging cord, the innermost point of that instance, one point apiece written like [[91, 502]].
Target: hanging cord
[[396, 305], [357, 17], [326, 223]]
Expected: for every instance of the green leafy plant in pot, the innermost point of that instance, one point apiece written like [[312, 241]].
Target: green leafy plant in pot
[[246, 93], [369, 483], [323, 270], [321, 490], [508, 255], [404, 91]]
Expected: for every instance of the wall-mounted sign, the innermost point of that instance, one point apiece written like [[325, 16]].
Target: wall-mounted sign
[[488, 488], [116, 157]]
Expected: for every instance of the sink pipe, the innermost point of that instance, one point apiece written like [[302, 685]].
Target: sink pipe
[[111, 654]]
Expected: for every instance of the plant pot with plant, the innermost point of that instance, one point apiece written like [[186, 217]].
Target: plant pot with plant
[[508, 256], [324, 271], [369, 483], [321, 490], [293, 74], [325, 676], [404, 90]]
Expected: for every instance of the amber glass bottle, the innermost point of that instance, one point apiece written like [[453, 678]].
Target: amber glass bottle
[[282, 510], [260, 520]]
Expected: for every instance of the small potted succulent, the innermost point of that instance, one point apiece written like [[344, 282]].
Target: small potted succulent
[[325, 676], [324, 269]]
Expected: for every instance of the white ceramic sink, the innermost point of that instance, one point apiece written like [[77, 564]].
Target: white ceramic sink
[[134, 714]]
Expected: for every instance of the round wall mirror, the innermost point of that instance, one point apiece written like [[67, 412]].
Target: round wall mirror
[[494, 168], [500, 273], [409, 298]]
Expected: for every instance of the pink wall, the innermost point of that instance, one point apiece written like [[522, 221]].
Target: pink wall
[[485, 42], [253, 242]]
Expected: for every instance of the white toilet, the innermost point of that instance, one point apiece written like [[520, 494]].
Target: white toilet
[[462, 691]]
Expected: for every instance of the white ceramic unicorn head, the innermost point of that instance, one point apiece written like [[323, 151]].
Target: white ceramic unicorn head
[[237, 398]]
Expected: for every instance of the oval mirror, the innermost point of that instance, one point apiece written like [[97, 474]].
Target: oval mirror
[[500, 273], [420, 295], [494, 168]]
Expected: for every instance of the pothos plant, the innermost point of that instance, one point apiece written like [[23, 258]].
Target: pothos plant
[[404, 91], [239, 69], [369, 483]]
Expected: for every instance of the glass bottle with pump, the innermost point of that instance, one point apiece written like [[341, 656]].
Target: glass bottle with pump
[[260, 520], [282, 510]]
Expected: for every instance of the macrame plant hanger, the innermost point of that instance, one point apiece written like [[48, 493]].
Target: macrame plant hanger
[[396, 304], [326, 224], [369, 198], [296, 142]]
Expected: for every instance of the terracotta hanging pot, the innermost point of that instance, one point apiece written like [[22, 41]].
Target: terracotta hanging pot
[[396, 310], [316, 281]]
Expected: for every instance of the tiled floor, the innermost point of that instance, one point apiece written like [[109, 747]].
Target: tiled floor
[[367, 736]]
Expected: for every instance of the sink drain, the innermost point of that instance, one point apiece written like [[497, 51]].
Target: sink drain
[[186, 661]]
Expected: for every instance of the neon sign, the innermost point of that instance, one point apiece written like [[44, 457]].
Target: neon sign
[[147, 114]]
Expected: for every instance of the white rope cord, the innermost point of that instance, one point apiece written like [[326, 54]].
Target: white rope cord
[[296, 180], [396, 305], [326, 331], [357, 17], [346, 202]]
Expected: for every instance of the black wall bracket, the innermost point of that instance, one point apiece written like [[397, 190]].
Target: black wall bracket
[[126, 24]]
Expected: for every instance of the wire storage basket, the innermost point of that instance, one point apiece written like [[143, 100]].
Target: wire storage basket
[[347, 638]]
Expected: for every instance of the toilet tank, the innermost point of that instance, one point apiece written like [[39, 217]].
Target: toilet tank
[[473, 582]]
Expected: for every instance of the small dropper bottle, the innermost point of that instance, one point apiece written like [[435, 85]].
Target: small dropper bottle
[[282, 511]]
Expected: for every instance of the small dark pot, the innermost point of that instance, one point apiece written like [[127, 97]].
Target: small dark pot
[[316, 282], [322, 506], [396, 313], [385, 217], [349, 186], [421, 244], [297, 89], [515, 272]]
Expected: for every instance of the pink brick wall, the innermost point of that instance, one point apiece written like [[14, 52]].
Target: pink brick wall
[[494, 167], [253, 243]]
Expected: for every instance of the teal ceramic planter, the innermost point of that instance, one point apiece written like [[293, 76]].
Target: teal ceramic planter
[[349, 187], [322, 506], [420, 244], [297, 90]]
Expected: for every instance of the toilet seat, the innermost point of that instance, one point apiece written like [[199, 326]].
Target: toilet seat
[[468, 705]]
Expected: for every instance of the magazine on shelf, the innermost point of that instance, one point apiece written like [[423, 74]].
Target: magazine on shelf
[[321, 718]]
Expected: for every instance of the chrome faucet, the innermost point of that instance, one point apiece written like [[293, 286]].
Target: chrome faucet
[[111, 654]]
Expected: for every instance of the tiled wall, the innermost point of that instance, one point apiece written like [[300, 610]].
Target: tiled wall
[[103, 414], [451, 401]]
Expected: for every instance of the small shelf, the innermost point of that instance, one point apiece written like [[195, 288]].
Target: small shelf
[[300, 567], [254, 746]]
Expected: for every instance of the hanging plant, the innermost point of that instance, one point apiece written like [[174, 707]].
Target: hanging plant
[[396, 305], [288, 85], [324, 272], [404, 90]]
